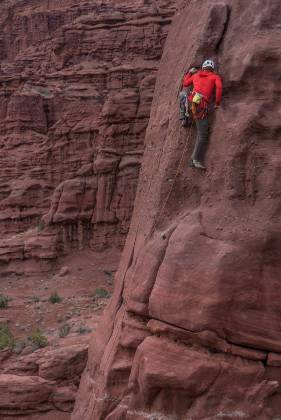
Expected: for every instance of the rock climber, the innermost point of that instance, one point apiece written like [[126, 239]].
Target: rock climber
[[204, 82]]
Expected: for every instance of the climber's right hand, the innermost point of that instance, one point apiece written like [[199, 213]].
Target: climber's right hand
[[192, 70]]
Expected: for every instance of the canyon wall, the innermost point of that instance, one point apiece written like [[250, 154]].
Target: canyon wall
[[193, 328], [76, 85]]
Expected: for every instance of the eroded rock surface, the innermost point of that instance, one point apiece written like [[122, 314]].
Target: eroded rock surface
[[76, 85], [193, 328], [43, 381]]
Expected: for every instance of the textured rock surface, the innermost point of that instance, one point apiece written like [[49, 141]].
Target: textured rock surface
[[193, 328], [43, 381], [23, 394], [76, 84]]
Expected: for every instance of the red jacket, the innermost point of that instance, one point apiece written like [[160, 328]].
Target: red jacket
[[204, 82]]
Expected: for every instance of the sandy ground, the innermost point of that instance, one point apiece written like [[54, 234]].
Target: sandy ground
[[77, 280], [29, 308]]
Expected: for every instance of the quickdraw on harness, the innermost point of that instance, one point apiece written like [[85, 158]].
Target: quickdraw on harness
[[198, 105]]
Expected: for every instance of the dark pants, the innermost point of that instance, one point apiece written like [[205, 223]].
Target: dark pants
[[201, 139], [183, 96]]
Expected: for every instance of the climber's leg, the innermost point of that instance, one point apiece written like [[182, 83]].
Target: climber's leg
[[201, 141], [183, 109], [182, 104]]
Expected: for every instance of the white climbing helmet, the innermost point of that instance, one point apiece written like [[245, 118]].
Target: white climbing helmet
[[208, 63]]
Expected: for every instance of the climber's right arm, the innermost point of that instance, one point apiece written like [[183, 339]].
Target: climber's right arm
[[188, 80]]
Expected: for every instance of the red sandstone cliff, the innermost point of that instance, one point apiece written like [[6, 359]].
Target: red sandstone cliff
[[76, 85], [193, 328]]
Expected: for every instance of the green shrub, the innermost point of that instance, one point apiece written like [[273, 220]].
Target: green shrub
[[38, 339], [55, 298], [35, 299], [4, 300], [40, 225], [6, 337], [101, 293], [84, 330], [19, 346], [64, 330]]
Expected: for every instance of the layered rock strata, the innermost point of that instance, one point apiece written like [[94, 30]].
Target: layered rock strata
[[41, 382], [193, 328], [76, 86]]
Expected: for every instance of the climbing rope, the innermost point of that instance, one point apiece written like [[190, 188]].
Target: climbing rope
[[174, 180], [117, 329]]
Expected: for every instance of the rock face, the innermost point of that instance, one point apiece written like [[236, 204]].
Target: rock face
[[43, 381], [76, 85], [193, 328]]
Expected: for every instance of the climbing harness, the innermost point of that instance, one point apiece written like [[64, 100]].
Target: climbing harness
[[193, 105], [199, 105], [197, 98]]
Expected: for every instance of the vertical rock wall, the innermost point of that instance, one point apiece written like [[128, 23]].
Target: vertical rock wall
[[193, 328], [76, 85]]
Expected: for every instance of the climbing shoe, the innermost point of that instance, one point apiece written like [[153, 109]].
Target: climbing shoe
[[190, 163], [198, 165], [184, 122]]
